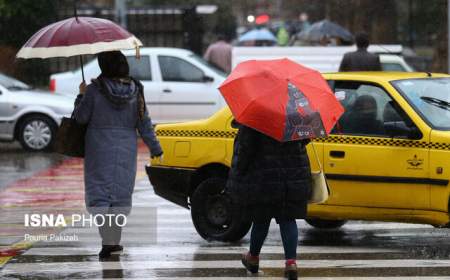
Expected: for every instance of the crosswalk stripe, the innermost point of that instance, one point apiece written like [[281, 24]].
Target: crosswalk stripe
[[137, 265], [303, 278], [158, 250]]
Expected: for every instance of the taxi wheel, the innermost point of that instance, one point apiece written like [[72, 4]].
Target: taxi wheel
[[325, 224], [213, 215]]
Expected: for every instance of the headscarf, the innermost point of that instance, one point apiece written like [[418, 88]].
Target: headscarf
[[113, 64]]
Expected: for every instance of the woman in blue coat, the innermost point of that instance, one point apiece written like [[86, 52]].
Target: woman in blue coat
[[114, 109]]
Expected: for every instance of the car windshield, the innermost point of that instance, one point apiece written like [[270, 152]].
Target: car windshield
[[213, 67], [430, 97], [12, 84]]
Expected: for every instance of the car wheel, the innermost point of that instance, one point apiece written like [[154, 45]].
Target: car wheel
[[326, 224], [37, 133], [214, 216]]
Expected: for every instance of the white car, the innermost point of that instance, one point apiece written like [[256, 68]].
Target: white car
[[323, 59], [30, 116], [178, 85]]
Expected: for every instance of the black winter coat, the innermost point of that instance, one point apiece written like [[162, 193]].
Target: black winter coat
[[360, 60], [269, 179]]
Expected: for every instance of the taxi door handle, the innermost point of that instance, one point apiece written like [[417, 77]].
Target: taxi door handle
[[337, 154], [167, 90]]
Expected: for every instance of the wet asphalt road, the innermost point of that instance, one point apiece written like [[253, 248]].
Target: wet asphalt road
[[15, 163], [161, 243]]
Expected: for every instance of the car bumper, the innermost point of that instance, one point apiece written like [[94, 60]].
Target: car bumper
[[171, 183]]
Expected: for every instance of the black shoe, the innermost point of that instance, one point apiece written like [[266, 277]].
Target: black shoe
[[116, 249], [290, 272], [250, 263], [107, 250]]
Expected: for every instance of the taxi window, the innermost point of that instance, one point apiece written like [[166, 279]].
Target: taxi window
[[430, 97], [368, 109]]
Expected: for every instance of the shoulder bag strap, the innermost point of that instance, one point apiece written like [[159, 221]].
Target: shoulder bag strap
[[315, 155]]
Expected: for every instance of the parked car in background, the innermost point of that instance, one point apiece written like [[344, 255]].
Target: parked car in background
[[323, 59], [30, 116], [178, 84], [390, 164]]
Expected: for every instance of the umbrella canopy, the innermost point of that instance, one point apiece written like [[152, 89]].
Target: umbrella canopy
[[262, 19], [260, 34], [325, 28], [78, 36], [281, 99]]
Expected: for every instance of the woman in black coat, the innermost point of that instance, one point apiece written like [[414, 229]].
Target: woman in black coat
[[270, 179]]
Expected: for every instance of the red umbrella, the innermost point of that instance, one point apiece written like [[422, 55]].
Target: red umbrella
[[78, 36], [262, 19], [281, 99]]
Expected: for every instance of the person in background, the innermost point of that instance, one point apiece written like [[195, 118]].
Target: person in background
[[282, 36], [362, 117], [302, 23], [270, 179], [113, 107], [361, 59], [219, 53]]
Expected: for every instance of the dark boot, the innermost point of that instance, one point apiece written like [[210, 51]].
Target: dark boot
[[116, 249], [290, 271], [107, 250], [250, 262]]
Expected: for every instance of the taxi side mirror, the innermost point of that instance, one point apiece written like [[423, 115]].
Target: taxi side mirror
[[235, 124], [398, 129]]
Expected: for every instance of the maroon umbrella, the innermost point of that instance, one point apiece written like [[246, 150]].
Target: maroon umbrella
[[78, 36]]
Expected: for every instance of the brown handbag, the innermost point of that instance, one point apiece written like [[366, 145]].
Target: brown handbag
[[70, 138]]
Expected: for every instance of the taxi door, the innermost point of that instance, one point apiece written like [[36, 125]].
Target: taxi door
[[370, 163]]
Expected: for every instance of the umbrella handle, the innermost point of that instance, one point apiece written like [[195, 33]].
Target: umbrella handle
[[138, 50], [82, 68]]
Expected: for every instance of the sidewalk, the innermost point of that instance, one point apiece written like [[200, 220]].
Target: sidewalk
[[60, 188]]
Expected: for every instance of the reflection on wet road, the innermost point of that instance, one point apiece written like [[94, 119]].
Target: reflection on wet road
[[15, 163], [161, 243], [356, 250]]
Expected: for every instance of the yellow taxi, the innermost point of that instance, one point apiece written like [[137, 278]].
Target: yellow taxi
[[387, 159]]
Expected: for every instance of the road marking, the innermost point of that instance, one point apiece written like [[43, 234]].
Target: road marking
[[161, 250], [267, 264], [302, 278]]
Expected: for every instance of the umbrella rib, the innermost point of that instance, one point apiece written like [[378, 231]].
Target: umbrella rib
[[57, 27], [247, 76], [90, 23], [298, 75], [264, 93]]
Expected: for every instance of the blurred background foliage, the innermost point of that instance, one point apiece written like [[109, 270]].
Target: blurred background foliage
[[418, 25], [19, 20]]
